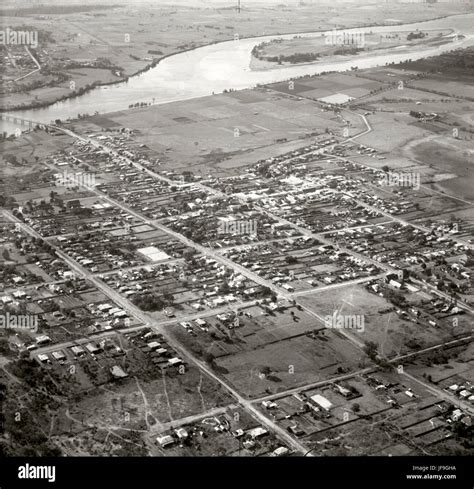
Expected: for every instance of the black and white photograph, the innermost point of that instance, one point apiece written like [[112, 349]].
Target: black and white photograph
[[237, 242]]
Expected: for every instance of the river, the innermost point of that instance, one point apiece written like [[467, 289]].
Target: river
[[213, 68]]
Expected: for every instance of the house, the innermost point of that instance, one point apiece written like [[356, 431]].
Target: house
[[165, 440], [104, 307], [78, 351], [456, 415], [257, 432], [269, 404], [296, 430], [91, 348], [169, 313], [16, 342], [280, 452], [248, 444], [117, 372], [201, 323], [343, 390], [238, 433], [175, 361], [58, 355], [42, 339], [181, 433]]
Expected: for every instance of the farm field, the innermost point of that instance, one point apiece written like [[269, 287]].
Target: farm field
[[221, 133], [272, 353], [382, 325]]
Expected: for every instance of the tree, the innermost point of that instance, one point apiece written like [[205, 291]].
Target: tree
[[10, 158], [188, 255], [266, 370], [370, 349]]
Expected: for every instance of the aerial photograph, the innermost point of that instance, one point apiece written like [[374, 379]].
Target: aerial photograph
[[237, 241]]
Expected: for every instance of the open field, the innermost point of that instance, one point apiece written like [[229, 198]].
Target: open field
[[219, 134], [268, 353], [451, 156], [382, 325]]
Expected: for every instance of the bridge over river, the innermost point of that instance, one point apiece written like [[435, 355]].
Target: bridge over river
[[21, 121]]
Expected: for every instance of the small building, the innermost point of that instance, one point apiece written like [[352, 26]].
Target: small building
[[16, 342], [181, 433], [238, 433], [42, 339], [165, 440], [280, 452], [175, 361], [78, 351], [456, 415], [248, 444], [322, 402], [58, 355], [91, 348], [343, 390], [118, 373], [269, 404], [201, 323], [257, 432]]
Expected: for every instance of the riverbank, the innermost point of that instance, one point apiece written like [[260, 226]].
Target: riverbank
[[315, 46], [222, 66], [98, 84]]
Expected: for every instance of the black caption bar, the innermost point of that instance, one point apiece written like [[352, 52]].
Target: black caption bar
[[71, 472]]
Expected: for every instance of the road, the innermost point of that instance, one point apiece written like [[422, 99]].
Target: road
[[35, 61], [441, 393]]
